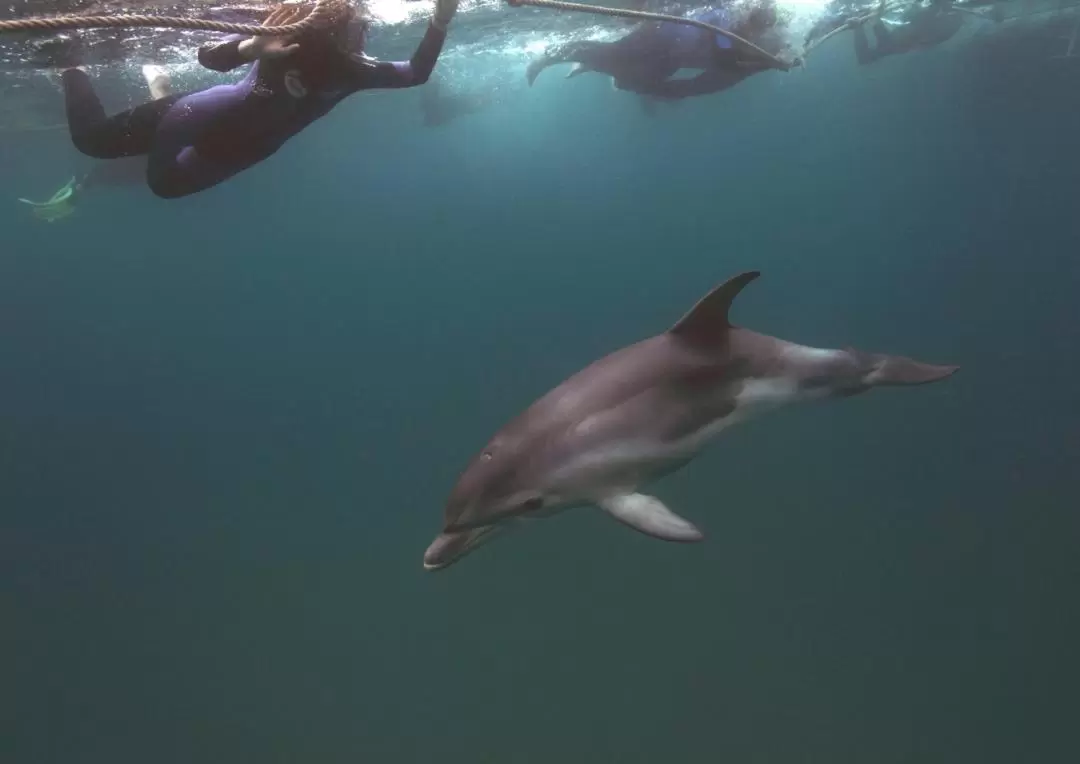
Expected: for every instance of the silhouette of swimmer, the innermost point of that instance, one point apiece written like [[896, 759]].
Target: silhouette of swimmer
[[645, 60], [922, 27], [195, 141], [441, 107]]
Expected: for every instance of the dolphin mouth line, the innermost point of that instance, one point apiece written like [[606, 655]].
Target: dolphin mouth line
[[489, 522], [472, 544], [470, 526]]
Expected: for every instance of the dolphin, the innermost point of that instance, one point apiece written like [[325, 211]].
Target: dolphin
[[643, 412]]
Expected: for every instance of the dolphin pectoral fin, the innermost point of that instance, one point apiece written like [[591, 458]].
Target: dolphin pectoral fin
[[648, 515]]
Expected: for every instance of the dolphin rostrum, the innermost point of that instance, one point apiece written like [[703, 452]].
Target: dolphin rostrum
[[645, 411]]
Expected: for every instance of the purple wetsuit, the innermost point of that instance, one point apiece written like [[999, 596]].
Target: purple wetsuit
[[196, 140]]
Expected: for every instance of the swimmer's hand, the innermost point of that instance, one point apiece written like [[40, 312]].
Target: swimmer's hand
[[444, 13], [267, 46]]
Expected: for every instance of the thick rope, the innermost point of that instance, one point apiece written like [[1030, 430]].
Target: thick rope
[[322, 9], [879, 11], [600, 10]]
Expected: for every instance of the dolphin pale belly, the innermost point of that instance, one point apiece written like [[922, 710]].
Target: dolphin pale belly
[[645, 411]]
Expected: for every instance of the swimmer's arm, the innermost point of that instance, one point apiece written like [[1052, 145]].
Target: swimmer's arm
[[367, 73], [224, 55]]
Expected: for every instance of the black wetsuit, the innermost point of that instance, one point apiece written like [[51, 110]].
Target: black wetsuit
[[196, 140]]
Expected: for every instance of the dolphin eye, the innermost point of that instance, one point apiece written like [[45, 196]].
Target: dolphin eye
[[486, 456]]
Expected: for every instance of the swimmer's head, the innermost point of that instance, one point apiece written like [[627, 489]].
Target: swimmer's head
[[757, 18], [346, 23]]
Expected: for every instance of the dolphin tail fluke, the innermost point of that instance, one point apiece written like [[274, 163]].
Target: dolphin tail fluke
[[648, 515], [898, 370]]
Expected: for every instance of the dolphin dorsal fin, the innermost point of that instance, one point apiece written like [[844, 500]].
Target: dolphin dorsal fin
[[707, 322]]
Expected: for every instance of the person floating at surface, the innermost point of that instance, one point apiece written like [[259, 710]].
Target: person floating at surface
[[197, 140], [124, 171], [645, 60], [922, 27]]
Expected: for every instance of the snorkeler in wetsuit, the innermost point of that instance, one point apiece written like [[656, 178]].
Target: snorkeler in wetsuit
[[645, 60], [195, 141], [922, 27]]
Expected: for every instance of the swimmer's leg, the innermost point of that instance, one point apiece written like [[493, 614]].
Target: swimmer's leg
[[128, 133], [863, 53], [885, 42]]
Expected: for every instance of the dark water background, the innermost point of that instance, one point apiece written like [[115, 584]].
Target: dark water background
[[228, 424]]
